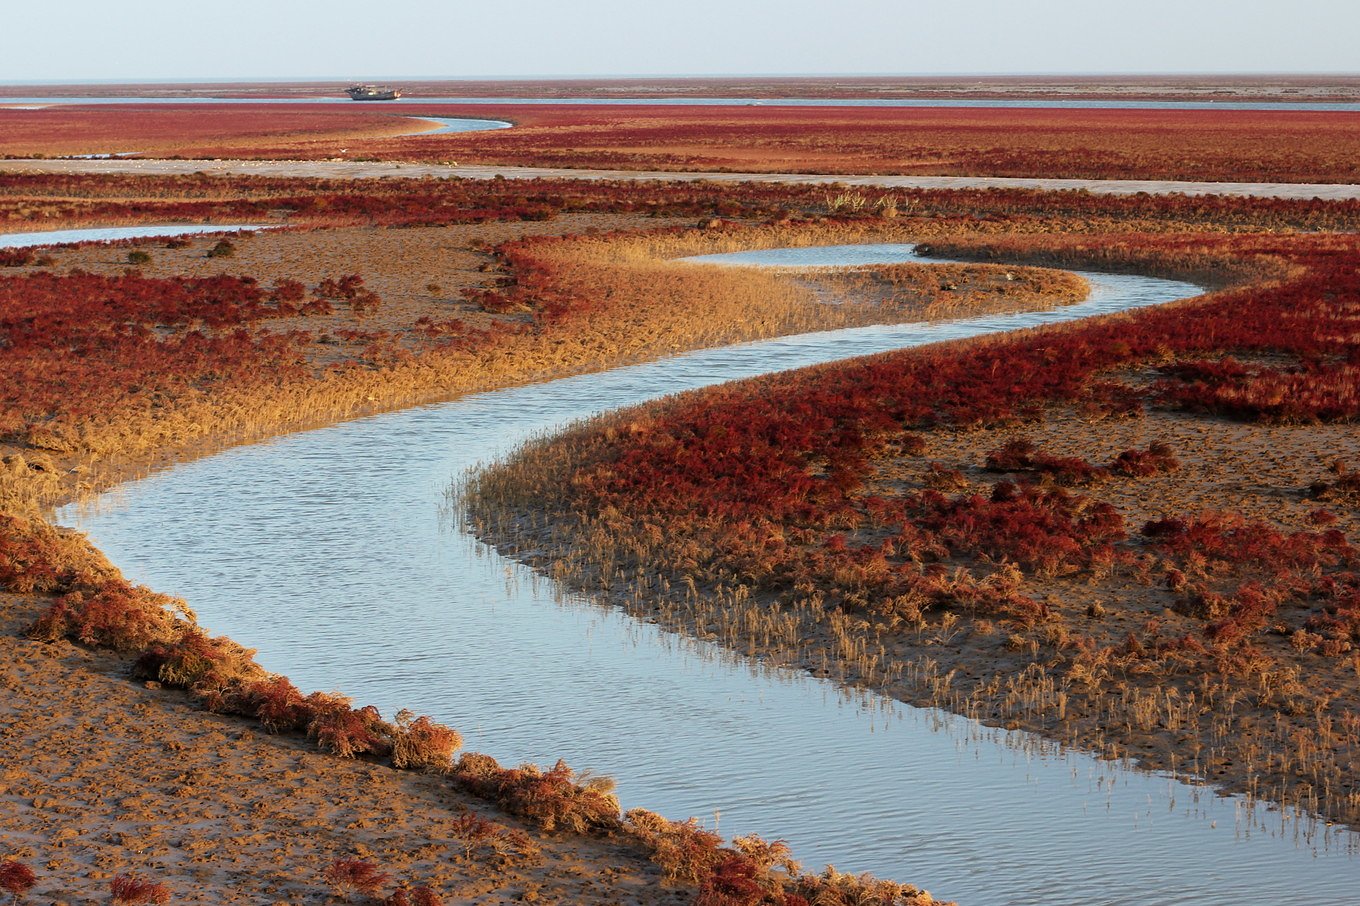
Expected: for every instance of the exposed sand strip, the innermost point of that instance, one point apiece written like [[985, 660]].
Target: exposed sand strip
[[381, 169]]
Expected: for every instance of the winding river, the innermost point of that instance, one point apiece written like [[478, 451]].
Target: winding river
[[332, 551]]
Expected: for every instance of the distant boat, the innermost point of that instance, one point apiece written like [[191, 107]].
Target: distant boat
[[372, 93]]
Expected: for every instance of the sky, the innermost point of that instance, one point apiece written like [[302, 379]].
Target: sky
[[59, 40]]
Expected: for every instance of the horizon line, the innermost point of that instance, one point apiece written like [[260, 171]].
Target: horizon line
[[283, 80]]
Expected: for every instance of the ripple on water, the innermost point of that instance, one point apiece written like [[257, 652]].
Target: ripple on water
[[328, 551]]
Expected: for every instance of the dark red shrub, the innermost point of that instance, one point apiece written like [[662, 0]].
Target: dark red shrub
[[131, 890], [288, 292], [339, 289], [735, 881], [278, 705], [1020, 456], [1155, 460], [347, 877], [21, 257], [346, 731], [117, 615], [16, 879]]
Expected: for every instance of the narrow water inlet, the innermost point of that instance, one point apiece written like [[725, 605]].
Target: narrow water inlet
[[110, 234], [451, 124], [327, 551]]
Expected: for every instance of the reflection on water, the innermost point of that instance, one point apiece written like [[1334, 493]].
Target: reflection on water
[[327, 550]]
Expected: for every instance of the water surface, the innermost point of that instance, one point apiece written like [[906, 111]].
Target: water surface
[[451, 124], [331, 552], [109, 234]]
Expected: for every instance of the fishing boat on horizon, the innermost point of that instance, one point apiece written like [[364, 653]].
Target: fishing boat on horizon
[[372, 93]]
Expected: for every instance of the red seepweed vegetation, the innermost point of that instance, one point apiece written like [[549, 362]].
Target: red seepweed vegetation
[[347, 877], [1246, 146], [789, 504], [81, 347], [755, 872], [554, 799], [1157, 459], [131, 890], [1215, 145], [16, 879], [167, 129]]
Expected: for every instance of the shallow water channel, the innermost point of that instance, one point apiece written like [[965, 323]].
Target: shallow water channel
[[451, 124], [332, 551], [109, 234]]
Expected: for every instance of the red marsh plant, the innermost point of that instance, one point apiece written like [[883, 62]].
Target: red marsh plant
[[555, 799], [348, 877], [16, 879], [132, 890], [420, 743]]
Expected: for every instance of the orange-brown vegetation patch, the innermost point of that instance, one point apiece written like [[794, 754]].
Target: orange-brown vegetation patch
[[163, 130], [1215, 145], [1135, 533], [1209, 145]]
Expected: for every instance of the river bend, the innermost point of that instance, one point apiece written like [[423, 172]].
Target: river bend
[[330, 551]]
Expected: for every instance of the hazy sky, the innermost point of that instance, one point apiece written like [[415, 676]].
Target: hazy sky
[[53, 40]]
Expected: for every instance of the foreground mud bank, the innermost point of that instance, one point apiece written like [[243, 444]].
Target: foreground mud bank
[[102, 776]]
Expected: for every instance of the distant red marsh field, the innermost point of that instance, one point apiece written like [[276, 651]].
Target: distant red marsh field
[[189, 129], [1215, 145], [1147, 144]]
